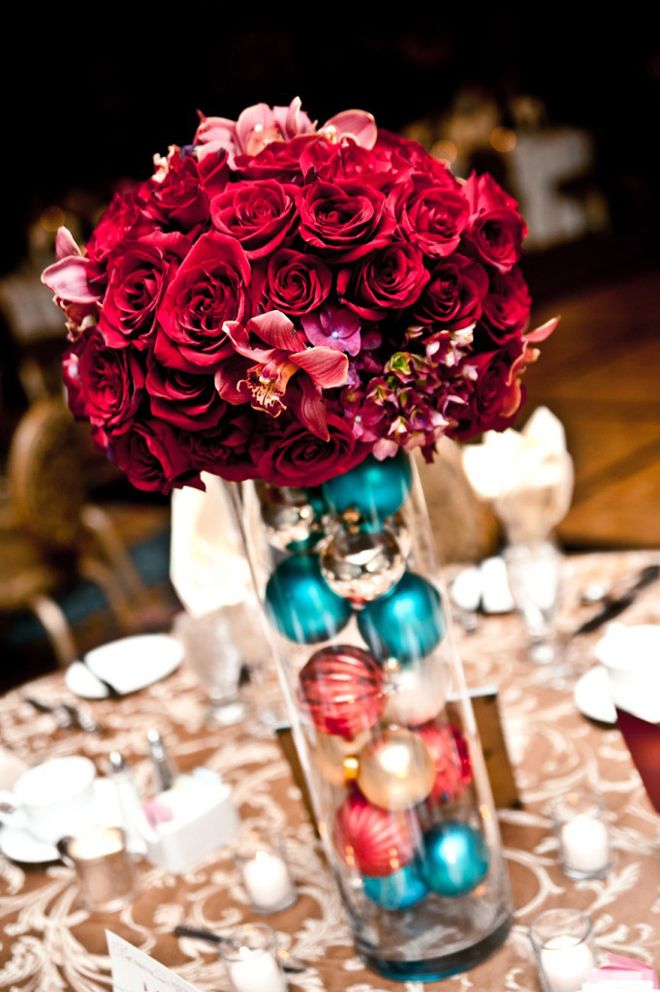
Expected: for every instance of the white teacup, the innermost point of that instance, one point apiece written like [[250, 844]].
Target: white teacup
[[52, 799], [631, 656]]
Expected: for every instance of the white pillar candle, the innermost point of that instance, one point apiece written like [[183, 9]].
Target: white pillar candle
[[566, 962], [255, 971], [268, 882], [585, 844]]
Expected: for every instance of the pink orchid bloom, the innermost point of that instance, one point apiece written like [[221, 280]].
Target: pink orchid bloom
[[358, 125], [259, 125], [67, 277], [272, 352]]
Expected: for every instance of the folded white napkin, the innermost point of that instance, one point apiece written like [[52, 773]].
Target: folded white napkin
[[527, 475], [208, 568]]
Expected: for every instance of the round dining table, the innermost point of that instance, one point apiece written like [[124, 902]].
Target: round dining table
[[49, 942]]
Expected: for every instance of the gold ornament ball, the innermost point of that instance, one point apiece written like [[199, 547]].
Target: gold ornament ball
[[336, 759], [396, 770]]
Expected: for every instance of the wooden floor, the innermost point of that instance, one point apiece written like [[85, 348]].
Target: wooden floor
[[600, 373]]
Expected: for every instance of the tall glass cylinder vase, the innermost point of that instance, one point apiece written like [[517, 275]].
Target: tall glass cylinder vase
[[381, 717]]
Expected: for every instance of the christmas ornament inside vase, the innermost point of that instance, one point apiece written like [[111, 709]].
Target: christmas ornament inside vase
[[363, 640]]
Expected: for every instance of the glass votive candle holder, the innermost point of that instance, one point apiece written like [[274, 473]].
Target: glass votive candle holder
[[105, 869], [582, 835], [250, 957], [266, 874], [563, 948]]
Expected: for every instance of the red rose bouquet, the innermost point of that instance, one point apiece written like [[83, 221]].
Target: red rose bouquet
[[278, 300]]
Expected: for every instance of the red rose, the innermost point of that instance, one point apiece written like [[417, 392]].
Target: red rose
[[107, 382], [213, 172], [174, 197], [293, 456], [153, 457], [432, 211], [296, 283], [496, 228], [210, 287], [137, 275], [123, 215], [347, 220], [258, 214], [348, 161], [226, 450], [489, 406], [402, 154], [455, 293], [506, 306], [184, 399], [278, 160], [389, 278]]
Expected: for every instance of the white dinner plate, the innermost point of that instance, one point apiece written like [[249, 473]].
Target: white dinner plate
[[18, 844], [592, 695], [128, 665]]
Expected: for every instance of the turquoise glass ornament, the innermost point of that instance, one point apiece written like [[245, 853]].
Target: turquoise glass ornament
[[402, 890], [375, 489], [301, 604], [406, 624], [455, 858]]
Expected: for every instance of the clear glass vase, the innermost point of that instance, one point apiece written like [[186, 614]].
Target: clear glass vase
[[380, 714]]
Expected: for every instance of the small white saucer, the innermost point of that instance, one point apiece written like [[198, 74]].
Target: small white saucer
[[18, 844], [592, 695], [128, 665]]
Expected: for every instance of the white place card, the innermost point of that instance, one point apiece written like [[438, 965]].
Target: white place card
[[134, 971]]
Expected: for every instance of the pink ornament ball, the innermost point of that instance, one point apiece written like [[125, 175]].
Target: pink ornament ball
[[342, 688], [375, 841], [451, 757]]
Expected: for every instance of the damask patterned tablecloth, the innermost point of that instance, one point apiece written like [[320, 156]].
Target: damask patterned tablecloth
[[47, 942]]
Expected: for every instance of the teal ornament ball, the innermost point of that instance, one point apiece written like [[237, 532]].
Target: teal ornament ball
[[300, 603], [406, 624], [402, 890], [455, 858], [375, 489]]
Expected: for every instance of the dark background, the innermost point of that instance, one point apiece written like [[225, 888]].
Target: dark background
[[94, 93]]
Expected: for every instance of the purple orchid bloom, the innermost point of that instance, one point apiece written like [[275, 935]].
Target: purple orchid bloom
[[334, 327]]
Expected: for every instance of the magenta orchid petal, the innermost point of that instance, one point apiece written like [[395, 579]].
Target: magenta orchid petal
[[213, 134], [68, 280], [325, 366], [311, 410], [240, 339], [65, 244], [277, 331], [357, 124]]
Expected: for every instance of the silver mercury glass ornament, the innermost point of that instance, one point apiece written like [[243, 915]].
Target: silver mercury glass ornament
[[290, 519], [361, 566]]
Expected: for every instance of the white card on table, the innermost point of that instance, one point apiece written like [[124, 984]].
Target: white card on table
[[134, 971]]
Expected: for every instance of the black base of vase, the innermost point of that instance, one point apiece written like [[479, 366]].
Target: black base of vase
[[433, 969]]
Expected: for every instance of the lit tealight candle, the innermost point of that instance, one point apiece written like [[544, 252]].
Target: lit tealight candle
[[561, 939], [251, 961], [566, 961], [268, 881], [585, 845], [104, 867]]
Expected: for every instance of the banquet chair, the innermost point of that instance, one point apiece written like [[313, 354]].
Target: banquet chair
[[50, 537]]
